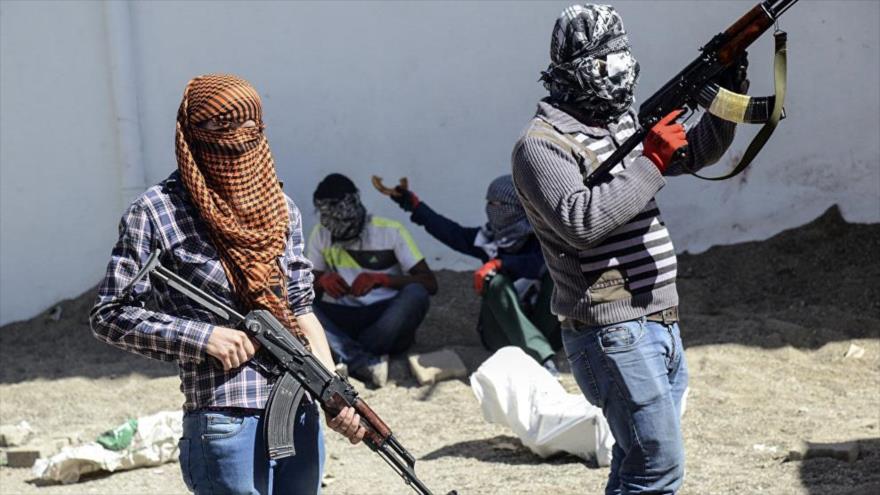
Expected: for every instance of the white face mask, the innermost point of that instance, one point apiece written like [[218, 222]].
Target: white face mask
[[617, 62]]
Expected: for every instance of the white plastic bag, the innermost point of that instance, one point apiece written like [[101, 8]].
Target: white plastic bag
[[154, 443], [514, 390]]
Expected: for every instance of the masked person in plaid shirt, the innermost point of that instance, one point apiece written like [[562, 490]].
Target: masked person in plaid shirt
[[222, 222]]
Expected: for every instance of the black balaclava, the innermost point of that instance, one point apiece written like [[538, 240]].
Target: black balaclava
[[591, 65]]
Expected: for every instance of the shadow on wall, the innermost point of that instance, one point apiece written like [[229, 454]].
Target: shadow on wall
[[824, 475], [804, 287]]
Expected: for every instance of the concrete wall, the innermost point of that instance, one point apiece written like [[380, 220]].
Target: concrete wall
[[434, 91], [59, 184]]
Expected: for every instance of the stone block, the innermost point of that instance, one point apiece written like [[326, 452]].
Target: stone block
[[15, 435], [21, 458], [436, 366]]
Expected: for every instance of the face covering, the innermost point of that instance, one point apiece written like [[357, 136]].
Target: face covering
[[508, 226], [230, 176], [591, 66], [343, 217]]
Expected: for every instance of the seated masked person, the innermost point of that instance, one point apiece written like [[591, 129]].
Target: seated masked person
[[373, 283], [513, 283]]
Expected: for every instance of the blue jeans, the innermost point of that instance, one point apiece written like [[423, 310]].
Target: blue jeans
[[225, 453], [359, 334], [635, 371]]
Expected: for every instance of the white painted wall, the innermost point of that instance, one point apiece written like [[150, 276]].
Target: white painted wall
[[59, 185], [434, 91]]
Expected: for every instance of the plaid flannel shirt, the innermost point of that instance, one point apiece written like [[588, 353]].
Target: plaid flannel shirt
[[178, 329]]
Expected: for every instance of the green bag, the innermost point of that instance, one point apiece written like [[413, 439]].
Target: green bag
[[120, 437]]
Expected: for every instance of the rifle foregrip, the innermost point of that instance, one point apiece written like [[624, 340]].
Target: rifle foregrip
[[372, 418], [377, 430], [744, 21]]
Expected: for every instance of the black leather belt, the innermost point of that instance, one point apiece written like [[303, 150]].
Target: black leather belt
[[668, 316], [231, 411]]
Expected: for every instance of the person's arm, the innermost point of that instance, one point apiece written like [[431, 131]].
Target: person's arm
[[123, 322], [418, 274], [549, 179], [707, 142], [324, 280], [527, 263], [710, 138], [411, 261], [314, 332], [448, 232]]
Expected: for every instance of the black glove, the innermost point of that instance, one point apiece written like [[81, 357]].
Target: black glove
[[735, 77], [405, 198]]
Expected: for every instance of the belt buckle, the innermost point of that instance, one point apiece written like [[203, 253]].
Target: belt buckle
[[669, 315]]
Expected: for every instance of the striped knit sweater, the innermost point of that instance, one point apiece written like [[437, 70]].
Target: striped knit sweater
[[607, 247]]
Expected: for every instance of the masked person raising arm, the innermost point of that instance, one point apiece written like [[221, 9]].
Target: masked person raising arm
[[222, 222], [608, 250], [513, 284]]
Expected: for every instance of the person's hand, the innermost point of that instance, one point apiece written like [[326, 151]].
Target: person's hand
[[735, 77], [333, 284], [663, 140], [485, 272], [367, 281], [405, 198], [348, 424], [231, 347]]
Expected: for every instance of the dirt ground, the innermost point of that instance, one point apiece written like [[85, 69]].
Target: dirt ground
[[766, 326]]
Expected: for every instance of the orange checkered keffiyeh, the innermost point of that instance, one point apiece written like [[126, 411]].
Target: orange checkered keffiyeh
[[230, 176]]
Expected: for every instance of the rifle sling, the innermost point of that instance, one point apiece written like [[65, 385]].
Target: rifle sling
[[780, 72], [584, 156]]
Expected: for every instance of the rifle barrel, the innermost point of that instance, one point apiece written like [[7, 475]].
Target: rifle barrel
[[779, 7]]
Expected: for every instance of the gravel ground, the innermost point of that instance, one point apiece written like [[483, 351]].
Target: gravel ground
[[766, 325]]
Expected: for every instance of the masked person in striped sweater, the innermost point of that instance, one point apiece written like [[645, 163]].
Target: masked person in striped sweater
[[607, 247], [222, 222], [374, 281], [513, 283]]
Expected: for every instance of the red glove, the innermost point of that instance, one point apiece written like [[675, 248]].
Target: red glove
[[663, 139], [333, 284], [405, 198], [487, 271], [367, 281]]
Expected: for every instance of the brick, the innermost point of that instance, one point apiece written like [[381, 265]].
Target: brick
[[20, 458], [436, 366]]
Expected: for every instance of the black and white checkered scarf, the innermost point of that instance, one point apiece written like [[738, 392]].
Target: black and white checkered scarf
[[591, 64], [343, 217], [507, 228]]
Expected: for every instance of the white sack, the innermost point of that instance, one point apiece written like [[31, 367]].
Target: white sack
[[514, 390], [154, 443]]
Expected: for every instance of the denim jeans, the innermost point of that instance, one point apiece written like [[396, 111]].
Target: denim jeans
[[225, 453], [358, 334], [636, 372]]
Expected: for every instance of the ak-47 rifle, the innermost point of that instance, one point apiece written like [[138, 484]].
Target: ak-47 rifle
[[297, 371], [693, 87]]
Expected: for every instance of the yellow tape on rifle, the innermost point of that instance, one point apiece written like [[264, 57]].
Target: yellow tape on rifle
[[730, 106]]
